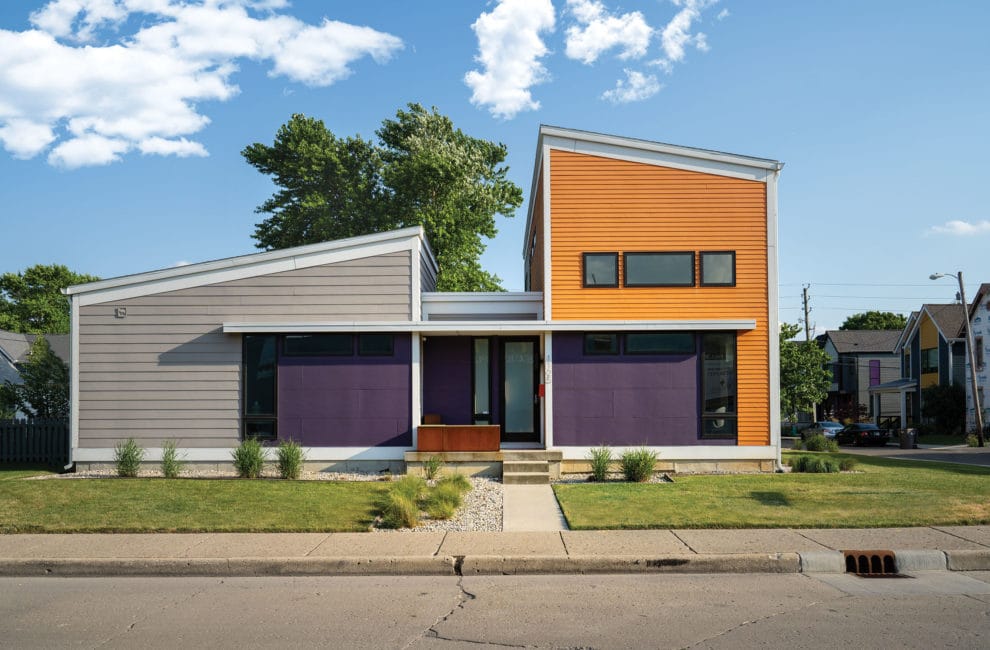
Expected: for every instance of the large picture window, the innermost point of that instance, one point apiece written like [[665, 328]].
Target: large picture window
[[718, 269], [318, 345], [660, 343], [718, 386], [601, 343], [375, 345], [929, 360], [659, 269], [260, 379], [601, 269]]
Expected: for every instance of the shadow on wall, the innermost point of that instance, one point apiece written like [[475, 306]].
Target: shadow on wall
[[212, 348]]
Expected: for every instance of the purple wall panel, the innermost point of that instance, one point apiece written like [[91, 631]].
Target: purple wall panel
[[447, 378], [347, 401], [623, 400]]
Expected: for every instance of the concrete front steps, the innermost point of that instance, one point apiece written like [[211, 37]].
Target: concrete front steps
[[530, 466]]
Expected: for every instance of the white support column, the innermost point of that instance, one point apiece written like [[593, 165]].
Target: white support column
[[417, 387], [548, 390], [903, 410]]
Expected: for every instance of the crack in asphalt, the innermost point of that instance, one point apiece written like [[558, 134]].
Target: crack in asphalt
[[167, 606], [755, 621]]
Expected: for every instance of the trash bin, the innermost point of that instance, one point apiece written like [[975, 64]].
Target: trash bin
[[909, 438]]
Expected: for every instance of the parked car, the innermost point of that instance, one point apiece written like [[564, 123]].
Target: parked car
[[861, 435], [827, 429]]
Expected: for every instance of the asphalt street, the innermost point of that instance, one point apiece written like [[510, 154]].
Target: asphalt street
[[937, 609]]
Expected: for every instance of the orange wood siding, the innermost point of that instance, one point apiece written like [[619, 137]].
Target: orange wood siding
[[602, 204], [536, 260]]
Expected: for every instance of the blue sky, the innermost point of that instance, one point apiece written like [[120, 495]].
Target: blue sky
[[122, 121]]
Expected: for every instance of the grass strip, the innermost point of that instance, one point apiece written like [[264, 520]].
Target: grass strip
[[879, 493]]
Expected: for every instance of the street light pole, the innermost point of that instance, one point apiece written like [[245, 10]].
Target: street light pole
[[972, 353]]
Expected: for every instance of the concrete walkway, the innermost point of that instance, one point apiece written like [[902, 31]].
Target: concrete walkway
[[531, 508], [957, 548]]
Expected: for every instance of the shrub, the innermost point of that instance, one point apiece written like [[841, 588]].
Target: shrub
[[290, 460], [127, 456], [398, 510], [410, 486], [847, 464], [461, 482], [432, 467], [171, 463], [443, 500], [249, 458], [814, 465], [601, 460], [638, 464], [818, 442]]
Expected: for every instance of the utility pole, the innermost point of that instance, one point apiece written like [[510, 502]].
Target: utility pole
[[807, 341]]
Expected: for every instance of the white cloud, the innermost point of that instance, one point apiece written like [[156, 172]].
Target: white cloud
[[962, 228], [635, 87], [722, 15], [676, 35], [509, 50], [142, 91], [598, 31]]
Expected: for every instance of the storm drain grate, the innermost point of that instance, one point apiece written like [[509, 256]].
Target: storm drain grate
[[871, 564]]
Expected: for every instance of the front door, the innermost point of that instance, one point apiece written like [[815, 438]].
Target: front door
[[520, 397]]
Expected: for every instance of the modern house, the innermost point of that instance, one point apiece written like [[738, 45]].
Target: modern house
[[649, 317], [861, 359], [979, 322], [932, 351]]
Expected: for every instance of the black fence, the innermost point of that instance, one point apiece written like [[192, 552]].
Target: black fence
[[43, 442]]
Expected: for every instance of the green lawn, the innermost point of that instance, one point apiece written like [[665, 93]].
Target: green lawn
[[881, 493], [16, 471], [184, 505]]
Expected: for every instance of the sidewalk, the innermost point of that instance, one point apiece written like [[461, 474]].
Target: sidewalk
[[956, 548]]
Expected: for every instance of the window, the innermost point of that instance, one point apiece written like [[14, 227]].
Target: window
[[718, 268], [659, 269], [482, 405], [601, 343], [718, 386], [978, 351], [929, 360], [874, 373], [906, 371], [660, 343], [601, 269], [260, 379], [318, 345], [375, 345]]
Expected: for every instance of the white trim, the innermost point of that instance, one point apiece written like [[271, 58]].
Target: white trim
[[494, 327], [684, 452], [525, 305], [773, 317], [416, 281], [223, 454], [417, 387], [547, 252], [481, 296], [548, 390], [73, 377]]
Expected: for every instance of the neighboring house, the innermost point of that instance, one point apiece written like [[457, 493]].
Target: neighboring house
[[649, 318], [979, 322], [932, 351], [859, 360], [14, 350]]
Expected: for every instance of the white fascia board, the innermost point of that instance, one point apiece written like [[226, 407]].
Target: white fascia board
[[437, 327], [712, 453], [201, 273], [73, 376], [482, 296], [773, 316], [547, 238], [223, 454], [244, 269], [537, 165], [658, 153], [906, 333]]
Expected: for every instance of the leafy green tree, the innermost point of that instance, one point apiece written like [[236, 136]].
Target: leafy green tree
[[32, 302], [947, 405], [804, 374], [874, 320], [422, 171], [45, 391]]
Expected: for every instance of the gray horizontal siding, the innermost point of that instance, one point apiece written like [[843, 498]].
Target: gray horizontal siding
[[167, 371]]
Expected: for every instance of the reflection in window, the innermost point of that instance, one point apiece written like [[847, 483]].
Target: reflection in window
[[718, 269], [929, 360], [601, 343], [318, 345], [375, 345], [482, 382], [660, 343], [659, 269], [260, 377], [601, 269], [718, 386]]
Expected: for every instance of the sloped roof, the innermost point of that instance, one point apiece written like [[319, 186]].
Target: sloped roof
[[15, 347], [980, 293], [948, 318], [864, 341]]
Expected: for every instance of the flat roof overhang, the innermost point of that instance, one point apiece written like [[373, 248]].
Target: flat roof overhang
[[487, 327]]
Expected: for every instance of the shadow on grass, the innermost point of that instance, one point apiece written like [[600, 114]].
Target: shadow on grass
[[771, 498]]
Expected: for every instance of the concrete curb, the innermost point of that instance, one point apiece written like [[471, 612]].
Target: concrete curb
[[479, 565]]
